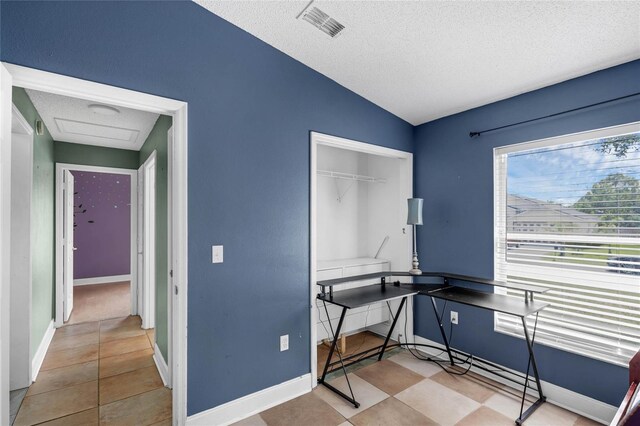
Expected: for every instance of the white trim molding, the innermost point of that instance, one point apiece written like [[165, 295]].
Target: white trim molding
[[363, 147], [254, 403], [5, 238], [38, 358], [102, 280], [562, 397], [161, 365], [147, 231], [180, 258], [22, 147], [30, 78], [17, 115]]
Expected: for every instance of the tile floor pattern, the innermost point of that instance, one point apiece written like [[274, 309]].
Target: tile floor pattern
[[100, 301], [355, 343], [402, 390], [15, 399], [98, 373]]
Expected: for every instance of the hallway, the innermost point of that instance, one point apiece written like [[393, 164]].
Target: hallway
[[98, 372], [100, 302]]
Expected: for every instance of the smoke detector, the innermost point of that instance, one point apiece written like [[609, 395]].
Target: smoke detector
[[321, 20]]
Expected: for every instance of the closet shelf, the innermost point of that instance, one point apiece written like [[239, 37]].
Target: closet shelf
[[350, 176], [323, 265]]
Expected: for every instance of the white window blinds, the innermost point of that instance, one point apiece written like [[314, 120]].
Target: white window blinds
[[567, 217]]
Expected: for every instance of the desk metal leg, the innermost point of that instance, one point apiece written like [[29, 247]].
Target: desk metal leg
[[444, 335], [393, 325], [531, 363], [336, 335]]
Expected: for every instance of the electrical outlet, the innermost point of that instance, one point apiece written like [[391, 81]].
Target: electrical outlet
[[454, 317], [284, 343]]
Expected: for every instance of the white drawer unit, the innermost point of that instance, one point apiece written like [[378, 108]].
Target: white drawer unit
[[356, 319]]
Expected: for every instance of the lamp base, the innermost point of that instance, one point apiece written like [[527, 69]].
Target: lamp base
[[415, 270]]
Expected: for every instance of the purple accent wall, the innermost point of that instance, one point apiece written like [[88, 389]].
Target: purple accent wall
[[102, 224]]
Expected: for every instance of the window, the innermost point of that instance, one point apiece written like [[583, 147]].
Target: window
[[582, 192]]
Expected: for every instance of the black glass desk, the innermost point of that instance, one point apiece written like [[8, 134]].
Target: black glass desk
[[355, 298], [443, 291], [497, 303]]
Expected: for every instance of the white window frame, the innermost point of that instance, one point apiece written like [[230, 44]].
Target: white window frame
[[499, 194]]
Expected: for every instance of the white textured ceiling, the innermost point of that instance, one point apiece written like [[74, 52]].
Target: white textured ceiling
[[70, 120], [422, 60]]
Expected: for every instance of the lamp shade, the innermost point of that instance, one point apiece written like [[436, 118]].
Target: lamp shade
[[415, 211]]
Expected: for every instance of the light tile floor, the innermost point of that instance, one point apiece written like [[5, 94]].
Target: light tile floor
[[100, 301], [98, 373], [15, 399], [402, 390]]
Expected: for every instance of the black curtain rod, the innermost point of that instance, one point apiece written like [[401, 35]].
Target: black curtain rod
[[474, 134]]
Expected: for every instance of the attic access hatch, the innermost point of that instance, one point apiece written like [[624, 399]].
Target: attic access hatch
[[321, 20]]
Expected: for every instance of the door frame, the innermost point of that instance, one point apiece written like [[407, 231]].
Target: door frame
[[5, 237], [59, 259], [321, 139], [30, 78], [170, 262], [65, 245], [147, 287], [21, 354]]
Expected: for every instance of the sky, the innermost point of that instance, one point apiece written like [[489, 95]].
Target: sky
[[565, 173]]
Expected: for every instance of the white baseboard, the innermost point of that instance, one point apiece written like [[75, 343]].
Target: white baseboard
[[162, 366], [102, 280], [254, 403], [38, 358], [562, 397]]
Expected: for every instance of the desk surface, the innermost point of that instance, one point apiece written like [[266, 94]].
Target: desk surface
[[495, 302], [515, 286], [363, 296], [522, 287]]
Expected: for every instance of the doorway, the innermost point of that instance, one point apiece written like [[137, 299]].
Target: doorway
[[358, 226], [96, 218], [177, 288]]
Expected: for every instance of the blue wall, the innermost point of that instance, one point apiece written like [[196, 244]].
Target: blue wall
[[454, 174], [250, 112], [251, 109]]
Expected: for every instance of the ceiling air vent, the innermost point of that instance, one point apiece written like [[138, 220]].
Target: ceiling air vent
[[322, 21]]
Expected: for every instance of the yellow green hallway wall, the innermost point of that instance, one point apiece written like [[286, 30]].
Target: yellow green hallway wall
[[42, 220], [157, 140]]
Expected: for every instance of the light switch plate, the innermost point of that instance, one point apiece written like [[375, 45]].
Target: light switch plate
[[217, 254], [284, 343]]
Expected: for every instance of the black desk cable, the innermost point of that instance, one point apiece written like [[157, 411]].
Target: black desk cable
[[431, 359], [438, 362]]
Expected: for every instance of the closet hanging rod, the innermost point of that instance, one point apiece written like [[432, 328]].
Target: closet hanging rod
[[350, 176]]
